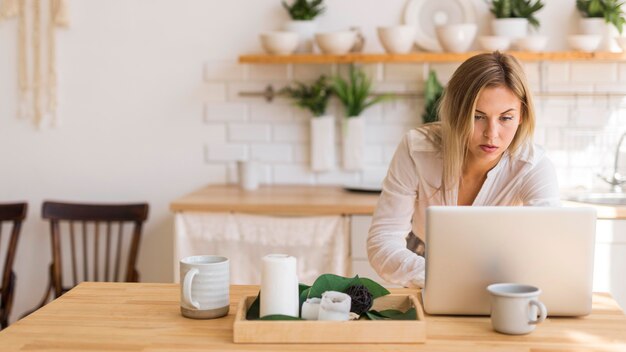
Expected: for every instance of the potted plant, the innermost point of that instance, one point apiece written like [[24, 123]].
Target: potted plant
[[602, 17], [354, 95], [303, 13], [314, 98], [512, 17], [433, 91]]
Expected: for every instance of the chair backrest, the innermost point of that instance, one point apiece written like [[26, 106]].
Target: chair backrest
[[13, 214], [97, 238]]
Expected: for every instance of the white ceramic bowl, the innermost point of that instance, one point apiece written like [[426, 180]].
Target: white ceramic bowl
[[397, 39], [533, 43], [584, 42], [456, 38], [279, 43], [494, 42], [622, 42], [337, 43]]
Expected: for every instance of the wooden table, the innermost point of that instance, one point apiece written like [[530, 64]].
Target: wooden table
[[146, 317]]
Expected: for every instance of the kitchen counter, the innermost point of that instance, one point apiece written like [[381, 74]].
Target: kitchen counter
[[308, 200], [278, 200]]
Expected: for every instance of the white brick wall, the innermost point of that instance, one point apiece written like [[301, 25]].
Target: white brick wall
[[579, 133]]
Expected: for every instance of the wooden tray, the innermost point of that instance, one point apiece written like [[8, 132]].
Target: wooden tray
[[358, 331]]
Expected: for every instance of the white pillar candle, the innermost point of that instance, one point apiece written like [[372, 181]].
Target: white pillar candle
[[335, 306], [310, 309], [279, 286]]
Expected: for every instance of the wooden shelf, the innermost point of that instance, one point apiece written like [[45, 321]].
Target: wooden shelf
[[422, 57]]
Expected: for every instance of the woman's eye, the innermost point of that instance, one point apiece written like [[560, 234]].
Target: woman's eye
[[506, 118], [478, 117]]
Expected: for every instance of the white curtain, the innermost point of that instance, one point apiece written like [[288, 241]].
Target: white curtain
[[321, 244]]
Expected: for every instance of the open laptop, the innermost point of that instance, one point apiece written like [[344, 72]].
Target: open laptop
[[469, 248]]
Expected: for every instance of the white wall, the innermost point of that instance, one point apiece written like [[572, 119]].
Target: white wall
[[136, 81]]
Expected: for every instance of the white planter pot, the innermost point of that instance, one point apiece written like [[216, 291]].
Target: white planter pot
[[306, 31], [606, 30], [510, 27], [353, 143], [323, 143]]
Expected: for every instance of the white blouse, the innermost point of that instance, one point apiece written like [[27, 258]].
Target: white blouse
[[410, 187]]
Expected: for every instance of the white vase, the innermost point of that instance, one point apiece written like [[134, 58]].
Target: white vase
[[323, 143], [353, 143], [306, 31], [606, 30], [510, 27]]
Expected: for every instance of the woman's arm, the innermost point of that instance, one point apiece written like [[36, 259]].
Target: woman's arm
[[386, 244]]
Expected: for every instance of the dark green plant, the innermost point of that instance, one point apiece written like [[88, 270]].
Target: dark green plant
[[433, 91], [331, 282], [354, 93], [516, 9], [610, 10], [305, 9], [312, 97]]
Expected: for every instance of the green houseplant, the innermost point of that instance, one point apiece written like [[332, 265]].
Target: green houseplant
[[305, 9], [433, 91], [513, 17], [314, 98], [303, 14], [355, 93], [517, 9], [610, 10], [355, 96]]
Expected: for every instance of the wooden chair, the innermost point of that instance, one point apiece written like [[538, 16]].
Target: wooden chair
[[9, 213], [95, 242]]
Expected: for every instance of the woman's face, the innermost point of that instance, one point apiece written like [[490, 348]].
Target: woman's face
[[496, 119]]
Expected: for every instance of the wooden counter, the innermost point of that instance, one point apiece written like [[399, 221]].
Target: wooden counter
[[146, 317], [278, 200], [307, 200]]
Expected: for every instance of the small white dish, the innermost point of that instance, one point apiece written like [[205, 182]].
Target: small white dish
[[279, 43], [456, 38], [397, 39], [494, 42], [337, 43], [584, 42], [533, 43]]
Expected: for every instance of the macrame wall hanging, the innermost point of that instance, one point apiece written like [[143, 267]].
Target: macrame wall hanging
[[33, 85]]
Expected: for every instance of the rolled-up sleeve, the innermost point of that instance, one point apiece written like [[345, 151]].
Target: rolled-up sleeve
[[386, 243]]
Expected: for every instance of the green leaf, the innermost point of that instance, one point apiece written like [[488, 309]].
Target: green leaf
[[391, 314], [254, 310], [331, 282], [373, 287], [279, 317]]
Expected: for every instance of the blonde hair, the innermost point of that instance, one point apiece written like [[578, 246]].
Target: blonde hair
[[458, 104]]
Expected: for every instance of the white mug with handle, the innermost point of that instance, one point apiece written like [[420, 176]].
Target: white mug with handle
[[515, 308], [205, 286]]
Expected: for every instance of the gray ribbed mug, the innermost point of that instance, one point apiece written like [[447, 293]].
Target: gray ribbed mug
[[204, 286]]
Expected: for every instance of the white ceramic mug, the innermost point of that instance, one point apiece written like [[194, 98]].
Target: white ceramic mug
[[204, 287], [515, 307], [248, 174]]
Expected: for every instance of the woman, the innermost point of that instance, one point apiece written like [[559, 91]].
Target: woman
[[481, 153]]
